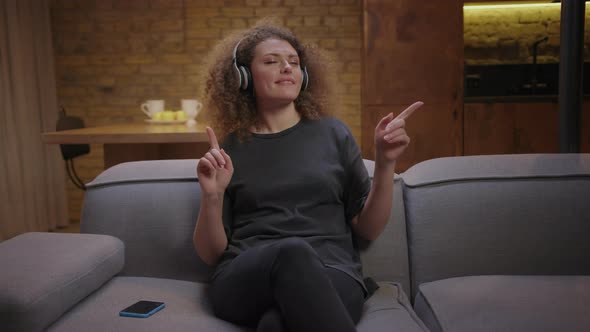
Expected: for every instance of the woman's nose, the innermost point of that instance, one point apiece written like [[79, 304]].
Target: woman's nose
[[287, 68]]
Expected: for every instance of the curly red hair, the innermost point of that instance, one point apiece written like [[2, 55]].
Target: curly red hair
[[232, 110]]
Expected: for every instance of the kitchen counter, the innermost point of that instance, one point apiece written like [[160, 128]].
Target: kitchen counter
[[516, 99], [512, 99]]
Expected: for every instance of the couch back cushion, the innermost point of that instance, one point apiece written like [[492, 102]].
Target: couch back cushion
[[504, 214], [386, 258], [152, 206]]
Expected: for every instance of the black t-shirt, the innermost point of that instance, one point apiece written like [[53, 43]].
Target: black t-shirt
[[307, 181]]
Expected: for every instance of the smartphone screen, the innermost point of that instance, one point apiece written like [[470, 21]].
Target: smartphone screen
[[142, 309]]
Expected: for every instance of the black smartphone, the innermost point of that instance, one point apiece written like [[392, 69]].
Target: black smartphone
[[142, 309]]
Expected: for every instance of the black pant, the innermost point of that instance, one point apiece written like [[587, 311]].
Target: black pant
[[285, 286]]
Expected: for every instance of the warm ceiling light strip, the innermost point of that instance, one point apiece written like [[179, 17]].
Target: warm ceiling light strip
[[511, 5]]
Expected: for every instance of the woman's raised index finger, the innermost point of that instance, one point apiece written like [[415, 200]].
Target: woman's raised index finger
[[212, 138], [408, 111]]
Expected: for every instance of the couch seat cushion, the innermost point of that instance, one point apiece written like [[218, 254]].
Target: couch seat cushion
[[187, 309], [506, 303], [388, 309]]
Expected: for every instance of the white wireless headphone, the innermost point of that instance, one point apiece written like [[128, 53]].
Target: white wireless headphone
[[245, 76]]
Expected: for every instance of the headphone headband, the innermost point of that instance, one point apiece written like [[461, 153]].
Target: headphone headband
[[235, 58]]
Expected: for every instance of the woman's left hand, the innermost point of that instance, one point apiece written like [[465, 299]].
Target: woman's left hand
[[391, 138]]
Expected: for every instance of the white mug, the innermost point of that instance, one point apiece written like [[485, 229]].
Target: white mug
[[191, 107], [152, 107]]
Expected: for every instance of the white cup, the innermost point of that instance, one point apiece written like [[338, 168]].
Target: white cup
[[152, 107], [191, 107]]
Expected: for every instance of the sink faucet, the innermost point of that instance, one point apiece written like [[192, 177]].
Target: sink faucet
[[534, 75]]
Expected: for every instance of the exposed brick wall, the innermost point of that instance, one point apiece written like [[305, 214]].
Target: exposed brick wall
[[501, 36], [111, 55]]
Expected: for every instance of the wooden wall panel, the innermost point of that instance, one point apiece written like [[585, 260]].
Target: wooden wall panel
[[431, 137], [413, 51]]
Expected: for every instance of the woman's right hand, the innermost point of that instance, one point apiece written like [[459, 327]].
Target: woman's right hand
[[215, 168]]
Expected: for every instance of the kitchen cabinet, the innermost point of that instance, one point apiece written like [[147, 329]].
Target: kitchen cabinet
[[497, 127]]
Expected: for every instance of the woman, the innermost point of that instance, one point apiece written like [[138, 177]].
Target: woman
[[283, 196]]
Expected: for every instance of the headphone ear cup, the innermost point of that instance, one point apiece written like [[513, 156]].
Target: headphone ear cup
[[246, 81], [239, 75], [243, 76], [304, 78]]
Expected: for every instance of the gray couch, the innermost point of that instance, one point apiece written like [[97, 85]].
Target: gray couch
[[486, 243]]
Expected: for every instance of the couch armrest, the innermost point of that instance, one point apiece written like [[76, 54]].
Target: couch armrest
[[45, 274]]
